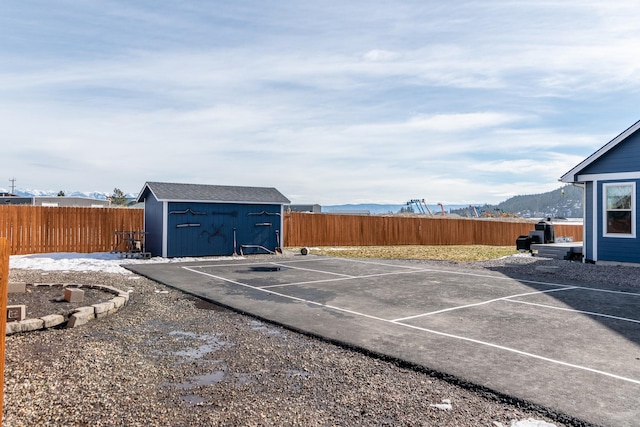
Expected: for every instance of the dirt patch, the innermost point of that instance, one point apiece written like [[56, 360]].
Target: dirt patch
[[43, 300]]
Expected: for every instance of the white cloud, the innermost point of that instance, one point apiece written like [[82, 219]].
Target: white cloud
[[379, 55], [462, 121], [543, 167]]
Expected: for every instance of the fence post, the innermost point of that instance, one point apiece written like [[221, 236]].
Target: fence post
[[5, 250]]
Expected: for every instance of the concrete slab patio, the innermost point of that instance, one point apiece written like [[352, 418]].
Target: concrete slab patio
[[569, 348]]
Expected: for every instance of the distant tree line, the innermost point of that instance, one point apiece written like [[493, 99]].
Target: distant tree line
[[563, 202]]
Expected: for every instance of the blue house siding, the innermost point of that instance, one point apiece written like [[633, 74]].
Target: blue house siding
[[587, 244], [618, 161], [620, 249], [624, 158]]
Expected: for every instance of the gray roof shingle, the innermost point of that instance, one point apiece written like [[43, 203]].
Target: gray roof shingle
[[166, 191]]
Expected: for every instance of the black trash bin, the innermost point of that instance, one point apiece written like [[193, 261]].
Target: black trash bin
[[547, 228], [523, 243]]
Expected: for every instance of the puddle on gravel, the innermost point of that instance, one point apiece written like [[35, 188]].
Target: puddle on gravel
[[212, 378], [205, 380], [184, 334], [211, 344], [197, 353], [297, 373], [209, 379], [193, 399], [200, 380], [259, 326], [244, 379]]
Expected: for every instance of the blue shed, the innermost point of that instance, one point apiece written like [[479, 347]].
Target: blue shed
[[203, 220], [610, 178]]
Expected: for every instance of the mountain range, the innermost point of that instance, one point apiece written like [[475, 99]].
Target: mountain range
[[564, 202], [99, 195]]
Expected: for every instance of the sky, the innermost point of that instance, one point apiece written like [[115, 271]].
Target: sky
[[328, 101]]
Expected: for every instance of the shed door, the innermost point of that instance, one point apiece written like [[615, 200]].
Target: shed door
[[199, 229], [207, 229], [259, 228]]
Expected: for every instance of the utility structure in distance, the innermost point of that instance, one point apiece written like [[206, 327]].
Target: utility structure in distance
[[421, 205]]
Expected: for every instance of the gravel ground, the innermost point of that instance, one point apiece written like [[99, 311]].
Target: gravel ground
[[170, 359]]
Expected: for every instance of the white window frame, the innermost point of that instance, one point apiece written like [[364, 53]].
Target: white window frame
[[605, 186]]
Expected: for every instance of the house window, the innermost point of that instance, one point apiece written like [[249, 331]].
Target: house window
[[619, 209]]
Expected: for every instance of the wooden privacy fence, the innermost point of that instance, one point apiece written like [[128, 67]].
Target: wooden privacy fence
[[41, 229], [303, 229]]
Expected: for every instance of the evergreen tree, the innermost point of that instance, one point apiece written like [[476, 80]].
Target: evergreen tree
[[118, 198]]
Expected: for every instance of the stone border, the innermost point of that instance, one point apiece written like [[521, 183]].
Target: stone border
[[79, 316]]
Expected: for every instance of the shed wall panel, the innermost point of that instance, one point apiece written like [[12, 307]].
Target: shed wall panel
[[189, 229], [207, 229], [153, 225], [259, 225]]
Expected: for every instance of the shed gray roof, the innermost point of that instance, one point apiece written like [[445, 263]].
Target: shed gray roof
[[172, 192]]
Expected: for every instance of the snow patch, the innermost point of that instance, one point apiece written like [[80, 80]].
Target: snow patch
[[106, 262], [445, 405]]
